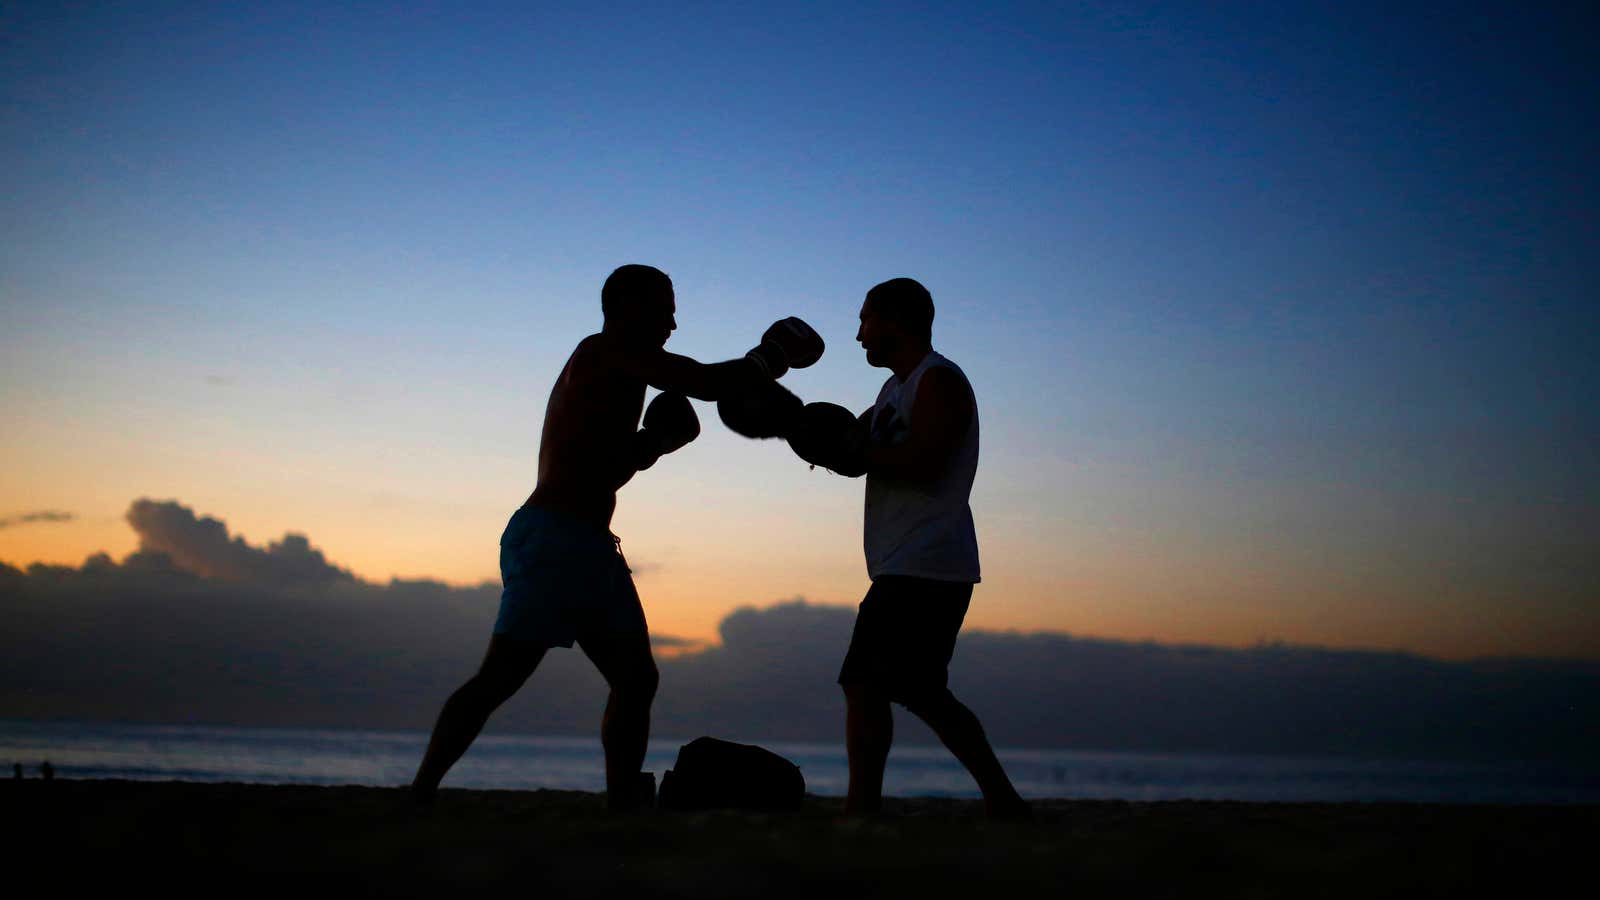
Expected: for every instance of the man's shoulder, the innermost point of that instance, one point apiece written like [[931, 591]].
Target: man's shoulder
[[592, 345], [937, 360], [949, 365], [594, 363], [940, 368], [944, 384], [595, 354]]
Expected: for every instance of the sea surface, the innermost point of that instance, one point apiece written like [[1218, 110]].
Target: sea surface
[[389, 758]]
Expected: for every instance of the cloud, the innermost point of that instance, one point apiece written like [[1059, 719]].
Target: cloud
[[201, 626], [44, 515], [202, 545]]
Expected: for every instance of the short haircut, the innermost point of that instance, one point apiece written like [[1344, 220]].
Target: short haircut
[[631, 283], [907, 302]]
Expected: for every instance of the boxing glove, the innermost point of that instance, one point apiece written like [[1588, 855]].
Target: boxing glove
[[762, 409], [669, 424], [828, 435], [787, 344]]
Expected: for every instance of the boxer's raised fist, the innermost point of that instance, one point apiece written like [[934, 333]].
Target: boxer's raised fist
[[828, 435], [787, 344], [669, 424]]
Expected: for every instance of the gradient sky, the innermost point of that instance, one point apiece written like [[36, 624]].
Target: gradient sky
[[1282, 317]]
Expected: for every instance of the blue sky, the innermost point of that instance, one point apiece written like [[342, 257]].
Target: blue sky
[[1275, 300]]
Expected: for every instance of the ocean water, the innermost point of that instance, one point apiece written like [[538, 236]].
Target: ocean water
[[389, 758]]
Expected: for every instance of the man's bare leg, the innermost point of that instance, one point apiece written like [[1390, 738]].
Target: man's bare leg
[[630, 670], [868, 732], [958, 727], [506, 666]]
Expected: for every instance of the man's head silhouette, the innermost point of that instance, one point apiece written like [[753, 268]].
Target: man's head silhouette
[[638, 304], [896, 319]]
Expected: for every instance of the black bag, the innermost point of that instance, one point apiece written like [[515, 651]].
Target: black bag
[[714, 774]]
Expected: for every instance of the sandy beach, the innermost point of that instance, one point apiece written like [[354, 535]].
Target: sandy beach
[[187, 838]]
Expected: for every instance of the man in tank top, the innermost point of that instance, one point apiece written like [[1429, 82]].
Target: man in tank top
[[922, 553]]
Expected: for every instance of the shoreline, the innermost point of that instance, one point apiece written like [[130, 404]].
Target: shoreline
[[192, 836]]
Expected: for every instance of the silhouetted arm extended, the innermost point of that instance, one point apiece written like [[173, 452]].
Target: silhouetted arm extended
[[683, 375], [940, 414]]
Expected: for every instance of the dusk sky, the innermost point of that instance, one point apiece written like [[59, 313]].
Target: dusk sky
[[1281, 317]]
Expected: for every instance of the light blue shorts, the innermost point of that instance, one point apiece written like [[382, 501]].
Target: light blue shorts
[[564, 580]]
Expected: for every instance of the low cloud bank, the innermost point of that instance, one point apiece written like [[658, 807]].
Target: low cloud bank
[[199, 626]]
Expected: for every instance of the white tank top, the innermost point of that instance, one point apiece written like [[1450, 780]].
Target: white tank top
[[919, 528]]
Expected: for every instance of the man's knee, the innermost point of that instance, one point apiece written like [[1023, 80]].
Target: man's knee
[[506, 667], [638, 686], [928, 704], [492, 686], [862, 694]]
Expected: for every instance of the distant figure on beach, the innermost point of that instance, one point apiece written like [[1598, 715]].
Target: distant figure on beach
[[47, 770], [918, 446], [565, 580], [16, 771]]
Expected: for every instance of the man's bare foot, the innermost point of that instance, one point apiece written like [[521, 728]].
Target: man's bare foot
[[423, 797], [1010, 810], [641, 794]]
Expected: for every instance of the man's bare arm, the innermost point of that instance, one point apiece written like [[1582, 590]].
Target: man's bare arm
[[940, 415], [681, 374], [787, 344]]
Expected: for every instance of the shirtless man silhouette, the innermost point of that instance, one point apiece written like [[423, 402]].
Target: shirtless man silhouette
[[564, 576]]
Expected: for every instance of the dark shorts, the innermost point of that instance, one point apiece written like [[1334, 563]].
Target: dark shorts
[[905, 635], [565, 581]]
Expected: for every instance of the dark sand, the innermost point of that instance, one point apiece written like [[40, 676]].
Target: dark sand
[[186, 839]]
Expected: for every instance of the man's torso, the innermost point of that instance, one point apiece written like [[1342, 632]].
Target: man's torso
[[921, 529], [586, 449]]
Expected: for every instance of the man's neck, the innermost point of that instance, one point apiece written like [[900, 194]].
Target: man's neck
[[906, 363]]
